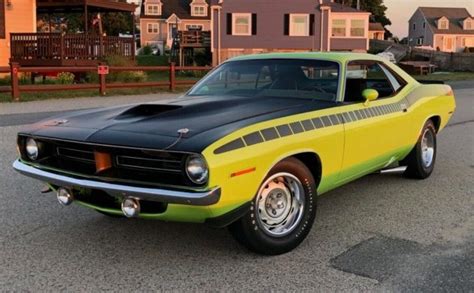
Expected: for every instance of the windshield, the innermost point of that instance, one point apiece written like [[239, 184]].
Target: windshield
[[290, 78]]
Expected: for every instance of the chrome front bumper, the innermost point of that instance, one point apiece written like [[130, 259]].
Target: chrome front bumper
[[197, 198]]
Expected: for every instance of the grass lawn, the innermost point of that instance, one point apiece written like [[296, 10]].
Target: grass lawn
[[25, 97], [447, 76]]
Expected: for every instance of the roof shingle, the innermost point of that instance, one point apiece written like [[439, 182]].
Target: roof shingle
[[455, 16], [181, 8]]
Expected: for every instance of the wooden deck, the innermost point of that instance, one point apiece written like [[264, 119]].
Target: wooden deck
[[194, 39], [56, 49]]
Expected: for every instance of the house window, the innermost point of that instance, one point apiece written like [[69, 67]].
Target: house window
[[443, 24], [153, 28], [242, 24], [414, 26], [419, 41], [199, 10], [424, 24], [2, 21], [357, 28], [299, 25], [338, 27], [468, 25], [153, 9]]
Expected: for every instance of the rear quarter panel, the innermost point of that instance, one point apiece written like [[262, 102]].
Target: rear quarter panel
[[427, 101]]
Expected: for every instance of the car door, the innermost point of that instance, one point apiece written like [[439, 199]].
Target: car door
[[374, 131]]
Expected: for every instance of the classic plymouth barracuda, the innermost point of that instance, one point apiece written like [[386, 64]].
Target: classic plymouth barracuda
[[249, 147]]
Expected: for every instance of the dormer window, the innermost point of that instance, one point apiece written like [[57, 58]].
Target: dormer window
[[468, 24], [443, 23], [153, 7], [199, 8]]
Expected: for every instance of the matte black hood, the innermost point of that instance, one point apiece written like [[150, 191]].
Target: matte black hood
[[154, 125]]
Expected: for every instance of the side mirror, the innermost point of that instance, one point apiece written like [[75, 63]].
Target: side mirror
[[370, 95]]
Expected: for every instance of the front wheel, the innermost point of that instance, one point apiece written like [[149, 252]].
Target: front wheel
[[282, 213], [421, 160]]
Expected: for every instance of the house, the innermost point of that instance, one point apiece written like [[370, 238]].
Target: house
[[162, 20], [15, 16], [441, 28], [258, 26], [376, 31], [21, 43]]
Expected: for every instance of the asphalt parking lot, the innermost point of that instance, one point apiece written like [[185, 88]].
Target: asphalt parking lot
[[382, 232]]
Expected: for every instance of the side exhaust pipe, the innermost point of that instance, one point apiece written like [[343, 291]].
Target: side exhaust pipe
[[130, 207], [65, 196]]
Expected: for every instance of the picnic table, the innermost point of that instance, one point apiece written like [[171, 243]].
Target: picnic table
[[418, 67]]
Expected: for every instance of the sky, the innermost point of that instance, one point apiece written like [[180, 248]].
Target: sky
[[400, 11]]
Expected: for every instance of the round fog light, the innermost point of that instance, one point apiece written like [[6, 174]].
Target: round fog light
[[32, 150], [130, 207], [64, 196]]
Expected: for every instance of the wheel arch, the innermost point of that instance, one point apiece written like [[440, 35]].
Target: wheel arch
[[309, 158], [436, 119]]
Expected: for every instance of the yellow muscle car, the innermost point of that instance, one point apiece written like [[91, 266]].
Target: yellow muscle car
[[249, 147]]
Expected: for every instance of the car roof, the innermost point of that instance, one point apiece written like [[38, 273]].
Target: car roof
[[329, 56]]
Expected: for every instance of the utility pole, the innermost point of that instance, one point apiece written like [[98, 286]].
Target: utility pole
[[358, 4]]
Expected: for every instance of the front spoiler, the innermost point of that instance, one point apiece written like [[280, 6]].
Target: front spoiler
[[197, 198]]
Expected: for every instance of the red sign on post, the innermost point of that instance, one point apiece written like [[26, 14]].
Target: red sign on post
[[103, 69]]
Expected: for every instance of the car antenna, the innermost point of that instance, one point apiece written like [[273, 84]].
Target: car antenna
[[181, 133]]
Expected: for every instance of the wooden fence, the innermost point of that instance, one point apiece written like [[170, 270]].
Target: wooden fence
[[16, 88]]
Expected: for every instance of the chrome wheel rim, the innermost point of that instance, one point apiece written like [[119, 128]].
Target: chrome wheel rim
[[280, 204], [427, 148]]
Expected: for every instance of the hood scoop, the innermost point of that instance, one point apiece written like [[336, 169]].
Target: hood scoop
[[146, 110]]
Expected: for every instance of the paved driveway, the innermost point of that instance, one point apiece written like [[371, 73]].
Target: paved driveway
[[382, 232]]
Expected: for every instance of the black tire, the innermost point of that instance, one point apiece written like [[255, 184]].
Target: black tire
[[417, 166], [250, 230]]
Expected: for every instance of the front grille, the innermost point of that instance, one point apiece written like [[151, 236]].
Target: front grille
[[131, 166], [79, 155], [162, 165]]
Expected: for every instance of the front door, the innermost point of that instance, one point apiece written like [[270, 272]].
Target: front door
[[375, 133], [449, 44]]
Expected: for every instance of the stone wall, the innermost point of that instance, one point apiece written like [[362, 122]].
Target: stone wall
[[445, 61]]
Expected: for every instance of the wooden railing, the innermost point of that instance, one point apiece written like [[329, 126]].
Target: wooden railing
[[102, 86], [194, 38], [43, 49]]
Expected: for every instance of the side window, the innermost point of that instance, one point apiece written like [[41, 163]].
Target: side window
[[363, 75]]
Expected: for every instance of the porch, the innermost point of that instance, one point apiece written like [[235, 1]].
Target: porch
[[57, 49], [194, 39], [85, 46]]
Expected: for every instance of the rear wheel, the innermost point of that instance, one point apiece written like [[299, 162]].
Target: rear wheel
[[282, 213], [421, 160]]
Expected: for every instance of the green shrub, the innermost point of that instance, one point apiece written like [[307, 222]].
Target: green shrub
[[152, 60], [146, 50], [65, 78], [122, 76]]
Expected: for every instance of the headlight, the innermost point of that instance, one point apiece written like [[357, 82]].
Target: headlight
[[196, 169], [32, 150]]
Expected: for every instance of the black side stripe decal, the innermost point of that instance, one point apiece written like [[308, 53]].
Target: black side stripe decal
[[296, 127]]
